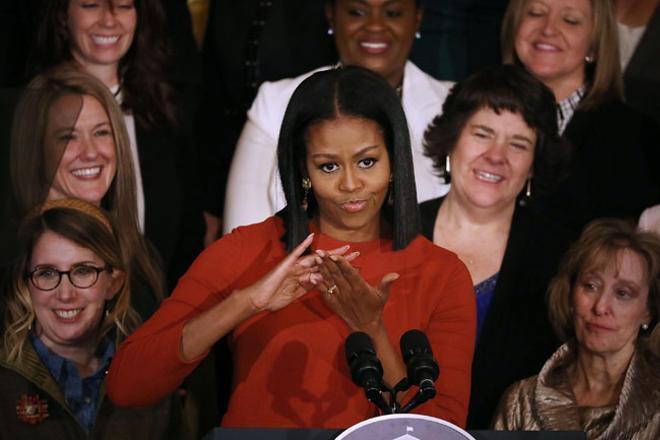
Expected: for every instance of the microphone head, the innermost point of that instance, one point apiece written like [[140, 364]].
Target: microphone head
[[366, 369], [356, 343], [414, 342], [418, 357]]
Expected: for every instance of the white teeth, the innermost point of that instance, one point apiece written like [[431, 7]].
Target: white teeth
[[545, 46], [67, 314], [100, 39], [489, 177], [86, 172], [374, 45]]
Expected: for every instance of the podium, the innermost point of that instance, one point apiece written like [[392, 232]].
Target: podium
[[389, 427]]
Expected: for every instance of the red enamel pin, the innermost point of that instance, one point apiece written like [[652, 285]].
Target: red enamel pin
[[32, 409]]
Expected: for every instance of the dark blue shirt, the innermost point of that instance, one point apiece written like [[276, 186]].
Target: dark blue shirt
[[81, 395], [484, 294]]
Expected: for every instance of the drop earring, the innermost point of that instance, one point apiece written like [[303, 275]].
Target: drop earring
[[306, 185], [446, 173], [528, 191]]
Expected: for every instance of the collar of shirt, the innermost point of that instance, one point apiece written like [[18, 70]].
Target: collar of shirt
[[566, 107], [81, 395]]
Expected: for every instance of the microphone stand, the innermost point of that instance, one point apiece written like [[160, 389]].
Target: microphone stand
[[375, 396]]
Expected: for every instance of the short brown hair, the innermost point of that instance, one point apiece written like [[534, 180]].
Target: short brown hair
[[605, 82], [502, 88], [600, 242]]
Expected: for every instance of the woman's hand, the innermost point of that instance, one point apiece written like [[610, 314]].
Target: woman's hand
[[361, 307], [349, 296], [294, 276], [289, 280]]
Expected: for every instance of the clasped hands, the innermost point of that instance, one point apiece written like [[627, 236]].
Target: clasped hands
[[344, 291]]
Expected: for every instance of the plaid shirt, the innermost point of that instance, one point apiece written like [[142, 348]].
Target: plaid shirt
[[567, 106]]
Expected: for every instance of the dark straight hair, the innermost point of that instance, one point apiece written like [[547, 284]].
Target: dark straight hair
[[354, 92]]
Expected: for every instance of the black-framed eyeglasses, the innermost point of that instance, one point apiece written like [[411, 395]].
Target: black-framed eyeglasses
[[81, 276]]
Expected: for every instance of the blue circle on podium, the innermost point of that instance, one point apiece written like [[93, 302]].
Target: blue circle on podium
[[405, 427]]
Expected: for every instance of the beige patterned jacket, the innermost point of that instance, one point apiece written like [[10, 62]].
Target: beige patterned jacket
[[546, 402]]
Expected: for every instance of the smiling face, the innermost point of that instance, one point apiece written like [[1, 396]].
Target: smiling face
[[349, 167], [611, 304], [68, 316], [375, 34], [492, 159], [88, 164], [100, 31], [553, 39]]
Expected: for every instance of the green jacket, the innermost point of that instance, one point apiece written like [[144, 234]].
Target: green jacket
[[32, 407]]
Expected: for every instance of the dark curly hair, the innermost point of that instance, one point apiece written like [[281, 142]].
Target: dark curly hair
[[502, 88], [146, 92]]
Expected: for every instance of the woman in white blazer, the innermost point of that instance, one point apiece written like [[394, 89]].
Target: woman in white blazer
[[375, 34]]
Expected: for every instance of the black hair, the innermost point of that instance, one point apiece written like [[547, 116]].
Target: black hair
[[356, 92], [502, 88]]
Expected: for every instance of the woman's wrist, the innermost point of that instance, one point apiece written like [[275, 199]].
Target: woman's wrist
[[375, 329], [243, 301]]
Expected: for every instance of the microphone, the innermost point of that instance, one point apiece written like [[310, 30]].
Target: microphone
[[421, 368], [366, 369]]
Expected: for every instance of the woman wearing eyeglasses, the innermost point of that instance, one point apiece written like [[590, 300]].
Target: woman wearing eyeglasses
[[68, 307]]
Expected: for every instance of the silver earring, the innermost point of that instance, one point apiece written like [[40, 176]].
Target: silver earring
[[446, 173], [645, 327], [528, 191], [589, 59], [331, 31], [306, 185], [418, 35]]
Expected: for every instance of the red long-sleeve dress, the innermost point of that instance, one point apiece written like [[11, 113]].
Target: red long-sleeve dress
[[289, 366]]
